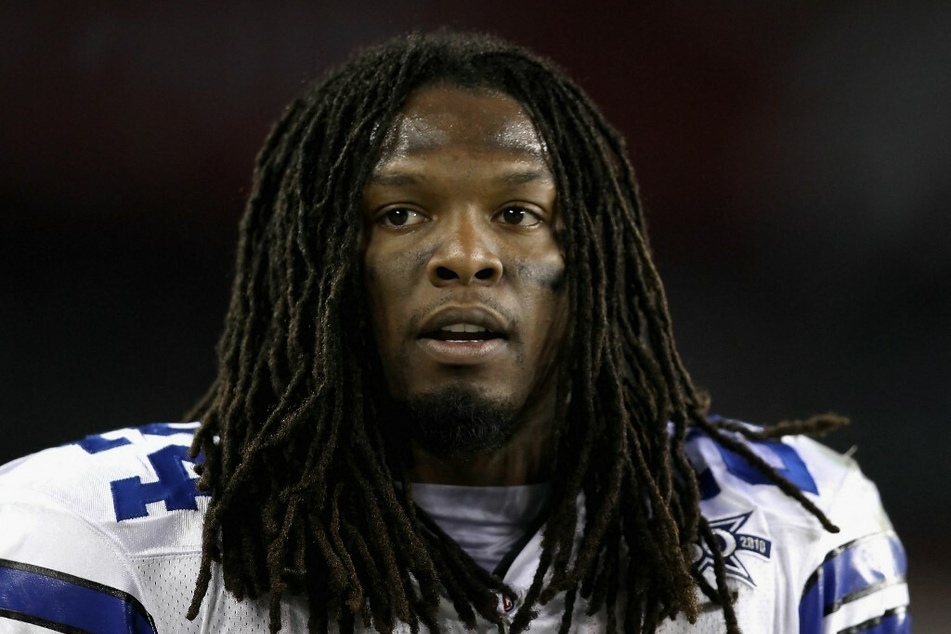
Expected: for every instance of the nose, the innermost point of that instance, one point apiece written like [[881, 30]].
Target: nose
[[466, 253]]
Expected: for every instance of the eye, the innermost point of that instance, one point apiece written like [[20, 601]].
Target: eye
[[519, 216], [401, 217]]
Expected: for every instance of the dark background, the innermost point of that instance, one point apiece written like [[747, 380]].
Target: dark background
[[794, 162]]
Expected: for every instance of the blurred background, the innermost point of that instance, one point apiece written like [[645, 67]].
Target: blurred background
[[794, 161]]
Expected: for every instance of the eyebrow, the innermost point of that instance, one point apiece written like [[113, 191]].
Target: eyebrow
[[395, 180], [405, 179], [526, 176]]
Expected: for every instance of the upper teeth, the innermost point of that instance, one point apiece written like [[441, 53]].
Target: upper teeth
[[463, 328]]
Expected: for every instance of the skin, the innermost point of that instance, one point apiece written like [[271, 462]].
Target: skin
[[461, 226]]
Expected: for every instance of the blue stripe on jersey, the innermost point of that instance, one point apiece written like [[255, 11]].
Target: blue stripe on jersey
[[65, 603], [896, 621], [850, 572]]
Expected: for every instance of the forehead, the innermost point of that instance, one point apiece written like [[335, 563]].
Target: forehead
[[436, 116]]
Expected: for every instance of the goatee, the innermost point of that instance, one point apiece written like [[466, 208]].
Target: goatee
[[455, 422]]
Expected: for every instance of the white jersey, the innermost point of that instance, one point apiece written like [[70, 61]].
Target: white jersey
[[104, 536]]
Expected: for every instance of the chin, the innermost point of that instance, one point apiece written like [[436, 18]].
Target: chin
[[457, 421]]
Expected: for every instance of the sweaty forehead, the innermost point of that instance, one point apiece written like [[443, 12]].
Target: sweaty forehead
[[437, 116]]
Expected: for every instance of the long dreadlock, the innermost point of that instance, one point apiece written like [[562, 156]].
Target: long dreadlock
[[310, 499]]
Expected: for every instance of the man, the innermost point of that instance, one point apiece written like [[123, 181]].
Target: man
[[448, 398]]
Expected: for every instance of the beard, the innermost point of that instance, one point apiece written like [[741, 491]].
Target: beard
[[455, 422]]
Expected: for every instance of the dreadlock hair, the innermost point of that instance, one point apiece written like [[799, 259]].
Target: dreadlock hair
[[309, 498]]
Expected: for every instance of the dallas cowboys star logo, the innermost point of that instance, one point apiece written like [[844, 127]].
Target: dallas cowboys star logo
[[732, 543]]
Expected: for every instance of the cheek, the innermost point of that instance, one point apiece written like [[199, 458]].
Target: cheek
[[546, 274], [541, 282], [388, 281]]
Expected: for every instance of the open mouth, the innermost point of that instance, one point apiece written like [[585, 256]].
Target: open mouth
[[463, 333]]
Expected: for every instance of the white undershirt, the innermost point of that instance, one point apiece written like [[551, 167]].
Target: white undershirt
[[486, 522]]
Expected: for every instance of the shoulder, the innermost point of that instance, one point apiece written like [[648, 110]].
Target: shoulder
[[832, 481], [822, 580], [110, 477], [85, 523]]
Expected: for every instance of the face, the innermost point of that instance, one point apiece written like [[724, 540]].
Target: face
[[464, 274]]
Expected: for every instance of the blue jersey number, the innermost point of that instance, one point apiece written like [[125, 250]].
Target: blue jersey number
[[175, 485]]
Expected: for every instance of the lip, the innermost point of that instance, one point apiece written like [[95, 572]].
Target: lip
[[471, 352], [461, 352], [476, 315]]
